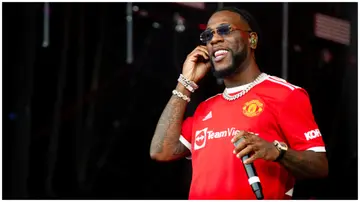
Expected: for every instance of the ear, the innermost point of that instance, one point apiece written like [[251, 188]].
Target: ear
[[253, 39]]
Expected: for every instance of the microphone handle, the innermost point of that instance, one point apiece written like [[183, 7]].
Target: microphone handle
[[253, 178]]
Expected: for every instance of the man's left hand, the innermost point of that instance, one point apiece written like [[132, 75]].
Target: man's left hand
[[253, 144]]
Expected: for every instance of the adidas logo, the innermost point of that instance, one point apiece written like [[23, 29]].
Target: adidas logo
[[208, 116]]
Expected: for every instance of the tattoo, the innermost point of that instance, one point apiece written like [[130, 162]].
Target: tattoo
[[165, 143], [305, 164]]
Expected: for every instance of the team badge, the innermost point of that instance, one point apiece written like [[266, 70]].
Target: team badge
[[253, 108]]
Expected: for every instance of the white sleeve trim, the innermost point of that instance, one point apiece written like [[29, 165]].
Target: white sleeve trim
[[290, 192], [185, 142], [317, 149]]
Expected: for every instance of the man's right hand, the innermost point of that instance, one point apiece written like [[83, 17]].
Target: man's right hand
[[165, 145], [197, 64]]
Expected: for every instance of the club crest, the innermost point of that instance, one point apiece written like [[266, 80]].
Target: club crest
[[253, 108]]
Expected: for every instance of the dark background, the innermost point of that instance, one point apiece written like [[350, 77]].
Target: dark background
[[78, 120]]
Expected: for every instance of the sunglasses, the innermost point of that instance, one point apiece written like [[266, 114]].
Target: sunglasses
[[222, 30]]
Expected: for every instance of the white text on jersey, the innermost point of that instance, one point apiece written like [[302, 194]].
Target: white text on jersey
[[312, 134], [229, 132]]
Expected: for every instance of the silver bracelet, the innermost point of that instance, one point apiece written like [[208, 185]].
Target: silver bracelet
[[187, 86], [180, 95], [190, 85]]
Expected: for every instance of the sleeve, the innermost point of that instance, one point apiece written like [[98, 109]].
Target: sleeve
[[298, 124], [186, 131]]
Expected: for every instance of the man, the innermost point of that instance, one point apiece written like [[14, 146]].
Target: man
[[274, 118]]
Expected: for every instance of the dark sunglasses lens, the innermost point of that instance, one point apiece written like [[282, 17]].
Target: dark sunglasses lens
[[223, 30], [206, 36]]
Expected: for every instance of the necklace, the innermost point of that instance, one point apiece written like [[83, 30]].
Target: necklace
[[258, 80]]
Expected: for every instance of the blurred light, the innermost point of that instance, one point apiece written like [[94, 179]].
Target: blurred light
[[135, 8], [129, 33], [180, 28], [198, 5], [12, 116], [180, 23], [156, 25], [333, 29], [297, 48], [326, 55], [202, 26], [46, 28], [143, 13]]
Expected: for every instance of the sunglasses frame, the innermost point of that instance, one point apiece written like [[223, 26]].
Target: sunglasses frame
[[212, 31]]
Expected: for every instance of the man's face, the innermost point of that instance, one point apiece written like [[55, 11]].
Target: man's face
[[228, 52]]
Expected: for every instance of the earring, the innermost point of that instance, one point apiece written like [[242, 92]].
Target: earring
[[253, 40]]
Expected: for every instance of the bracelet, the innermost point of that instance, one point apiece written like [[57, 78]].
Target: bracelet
[[190, 85], [180, 95], [187, 86]]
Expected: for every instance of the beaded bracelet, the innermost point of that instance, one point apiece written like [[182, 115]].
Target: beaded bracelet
[[180, 95]]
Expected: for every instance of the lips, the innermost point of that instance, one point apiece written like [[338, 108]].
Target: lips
[[220, 54]]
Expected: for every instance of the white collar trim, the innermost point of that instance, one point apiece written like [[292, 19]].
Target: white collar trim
[[237, 88]]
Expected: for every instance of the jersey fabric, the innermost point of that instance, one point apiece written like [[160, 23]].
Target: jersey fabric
[[274, 110]]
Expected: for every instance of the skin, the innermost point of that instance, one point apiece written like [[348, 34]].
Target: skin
[[165, 145], [302, 164], [236, 42]]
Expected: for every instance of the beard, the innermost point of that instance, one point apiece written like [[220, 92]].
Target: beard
[[237, 64]]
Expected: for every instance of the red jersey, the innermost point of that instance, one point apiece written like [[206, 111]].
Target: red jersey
[[274, 110]]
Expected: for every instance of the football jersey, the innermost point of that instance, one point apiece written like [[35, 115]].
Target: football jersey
[[274, 110]]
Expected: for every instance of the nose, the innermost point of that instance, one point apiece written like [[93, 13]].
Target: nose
[[216, 39]]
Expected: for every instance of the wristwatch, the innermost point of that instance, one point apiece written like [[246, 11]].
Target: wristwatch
[[282, 148]]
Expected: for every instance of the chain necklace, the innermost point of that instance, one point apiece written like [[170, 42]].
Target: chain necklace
[[258, 80]]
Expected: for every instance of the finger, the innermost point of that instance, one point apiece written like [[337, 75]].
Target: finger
[[240, 145], [238, 135], [252, 158], [245, 151], [193, 52], [249, 137], [198, 53], [208, 64], [201, 48]]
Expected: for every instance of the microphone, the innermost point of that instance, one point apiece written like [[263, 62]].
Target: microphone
[[253, 178]]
